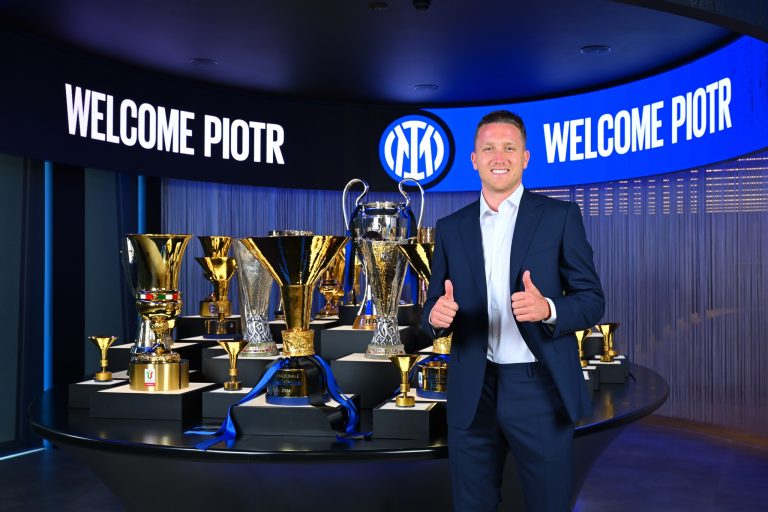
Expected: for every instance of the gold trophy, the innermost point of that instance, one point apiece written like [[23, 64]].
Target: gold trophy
[[153, 263], [214, 247], [296, 262], [233, 349], [103, 342], [404, 363], [219, 271], [607, 330], [580, 337], [331, 285]]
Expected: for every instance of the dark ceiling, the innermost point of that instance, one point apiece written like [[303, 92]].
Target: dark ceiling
[[454, 51]]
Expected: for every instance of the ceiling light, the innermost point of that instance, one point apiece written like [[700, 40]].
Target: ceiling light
[[203, 62]]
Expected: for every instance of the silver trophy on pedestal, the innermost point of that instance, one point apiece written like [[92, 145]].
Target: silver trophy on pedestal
[[255, 284], [384, 268]]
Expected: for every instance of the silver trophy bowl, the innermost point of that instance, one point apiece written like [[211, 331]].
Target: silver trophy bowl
[[255, 285]]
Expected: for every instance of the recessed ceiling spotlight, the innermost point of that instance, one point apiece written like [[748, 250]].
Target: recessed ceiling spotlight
[[595, 49], [378, 6], [426, 87], [203, 62]]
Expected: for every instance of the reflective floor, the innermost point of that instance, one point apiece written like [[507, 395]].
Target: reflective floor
[[652, 466]]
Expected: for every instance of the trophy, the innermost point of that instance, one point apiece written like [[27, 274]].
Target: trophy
[[103, 342], [214, 247], [219, 271], [607, 330], [404, 363], [433, 375], [386, 266], [255, 287], [331, 285], [153, 263], [296, 263], [280, 311], [379, 220], [233, 349], [580, 337]]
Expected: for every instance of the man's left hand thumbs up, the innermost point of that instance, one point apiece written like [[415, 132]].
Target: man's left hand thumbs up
[[529, 305]]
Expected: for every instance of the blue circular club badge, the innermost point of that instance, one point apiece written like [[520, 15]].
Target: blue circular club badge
[[417, 147]]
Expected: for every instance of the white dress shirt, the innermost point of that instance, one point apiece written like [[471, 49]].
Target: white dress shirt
[[505, 343]]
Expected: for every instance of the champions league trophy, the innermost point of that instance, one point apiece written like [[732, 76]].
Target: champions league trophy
[[433, 371], [153, 263], [214, 247], [384, 221], [255, 287]]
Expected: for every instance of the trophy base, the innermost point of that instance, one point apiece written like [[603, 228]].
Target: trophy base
[[431, 395], [288, 387], [80, 392], [262, 349], [233, 386], [405, 401], [433, 379], [221, 327], [611, 372], [442, 345], [102, 376], [158, 376], [209, 308], [298, 343], [365, 322], [384, 351]]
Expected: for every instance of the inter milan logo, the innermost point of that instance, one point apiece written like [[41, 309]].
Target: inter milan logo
[[415, 147]]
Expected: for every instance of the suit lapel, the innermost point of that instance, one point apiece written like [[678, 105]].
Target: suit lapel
[[473, 248], [528, 218]]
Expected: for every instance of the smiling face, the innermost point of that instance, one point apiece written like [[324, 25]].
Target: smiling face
[[499, 158]]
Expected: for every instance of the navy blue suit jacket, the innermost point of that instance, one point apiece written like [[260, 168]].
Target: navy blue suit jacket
[[550, 241]]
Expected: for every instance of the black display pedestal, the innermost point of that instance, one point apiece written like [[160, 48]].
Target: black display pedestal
[[374, 380], [249, 370], [425, 420], [258, 417], [343, 340], [615, 372], [122, 402], [80, 392], [216, 402]]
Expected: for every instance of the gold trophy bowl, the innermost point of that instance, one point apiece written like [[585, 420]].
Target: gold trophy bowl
[[404, 363], [607, 330], [103, 342], [296, 262], [233, 349], [580, 337], [153, 263]]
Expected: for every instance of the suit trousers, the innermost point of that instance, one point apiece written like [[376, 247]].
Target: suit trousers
[[520, 412]]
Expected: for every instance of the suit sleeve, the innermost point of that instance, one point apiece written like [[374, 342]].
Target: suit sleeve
[[582, 303], [436, 282]]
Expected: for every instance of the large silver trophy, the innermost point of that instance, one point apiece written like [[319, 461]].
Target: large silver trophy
[[255, 284], [377, 229]]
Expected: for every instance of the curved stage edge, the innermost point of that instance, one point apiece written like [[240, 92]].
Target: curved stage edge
[[151, 464]]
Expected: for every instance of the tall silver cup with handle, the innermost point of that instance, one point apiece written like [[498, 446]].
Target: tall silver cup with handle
[[381, 221]]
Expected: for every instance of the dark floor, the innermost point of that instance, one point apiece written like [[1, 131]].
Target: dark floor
[[650, 467]]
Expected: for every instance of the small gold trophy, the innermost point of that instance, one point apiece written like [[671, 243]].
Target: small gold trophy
[[580, 337], [233, 349], [607, 330], [219, 271], [296, 262], [153, 263], [103, 342], [404, 363], [331, 285], [213, 247]]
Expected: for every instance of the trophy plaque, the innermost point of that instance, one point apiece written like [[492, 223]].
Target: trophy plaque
[[378, 220], [103, 342], [214, 247], [219, 271], [386, 266], [153, 263], [255, 285], [580, 337], [295, 262], [404, 363], [607, 330], [233, 349]]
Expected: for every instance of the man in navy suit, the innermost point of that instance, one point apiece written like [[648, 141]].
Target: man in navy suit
[[514, 383]]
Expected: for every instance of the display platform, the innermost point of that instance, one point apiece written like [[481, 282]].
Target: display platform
[[312, 473]]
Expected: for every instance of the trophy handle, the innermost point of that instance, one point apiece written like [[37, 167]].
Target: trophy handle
[[408, 199], [357, 200]]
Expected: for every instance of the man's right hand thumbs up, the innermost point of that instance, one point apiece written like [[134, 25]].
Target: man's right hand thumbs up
[[444, 309]]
